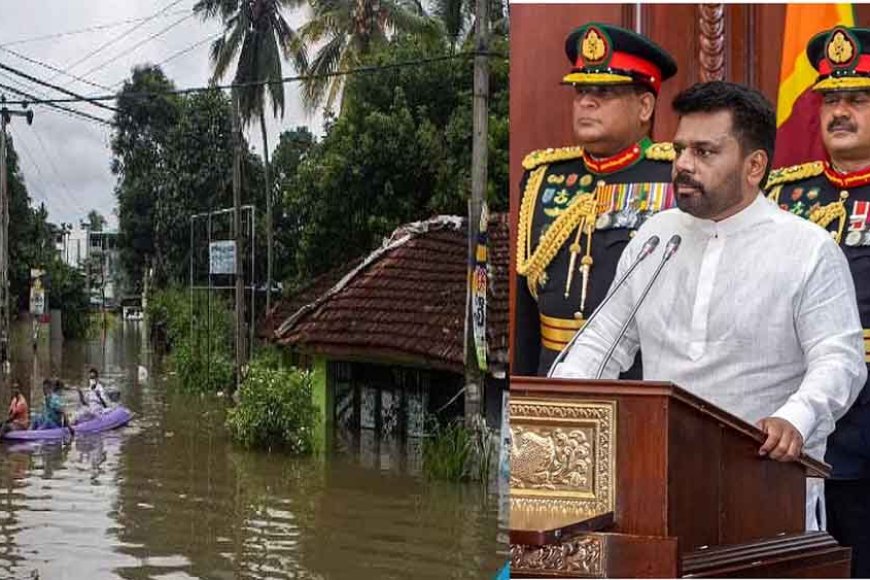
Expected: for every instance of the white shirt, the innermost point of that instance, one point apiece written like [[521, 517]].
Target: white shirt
[[755, 313], [95, 397]]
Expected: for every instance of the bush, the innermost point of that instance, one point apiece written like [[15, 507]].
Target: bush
[[275, 409], [199, 343], [453, 452], [446, 452], [200, 371]]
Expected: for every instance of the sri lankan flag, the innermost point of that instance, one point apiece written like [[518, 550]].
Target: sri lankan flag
[[798, 138]]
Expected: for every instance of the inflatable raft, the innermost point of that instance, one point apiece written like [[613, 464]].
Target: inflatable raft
[[111, 419]]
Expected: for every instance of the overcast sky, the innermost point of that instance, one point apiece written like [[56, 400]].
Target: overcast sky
[[65, 160]]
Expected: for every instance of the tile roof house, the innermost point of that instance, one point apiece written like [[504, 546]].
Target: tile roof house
[[384, 332], [404, 303]]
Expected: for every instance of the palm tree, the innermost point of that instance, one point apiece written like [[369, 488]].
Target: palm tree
[[457, 17], [257, 32], [349, 29]]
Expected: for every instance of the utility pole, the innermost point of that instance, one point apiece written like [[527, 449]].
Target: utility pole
[[474, 377], [269, 220], [5, 318], [237, 234]]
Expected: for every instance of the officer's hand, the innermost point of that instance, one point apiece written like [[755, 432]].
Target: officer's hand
[[783, 443]]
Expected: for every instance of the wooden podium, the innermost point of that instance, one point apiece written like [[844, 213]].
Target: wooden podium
[[643, 479]]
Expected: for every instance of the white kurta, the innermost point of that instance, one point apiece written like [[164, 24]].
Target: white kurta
[[755, 313]]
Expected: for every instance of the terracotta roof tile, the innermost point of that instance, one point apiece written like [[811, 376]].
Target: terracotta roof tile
[[406, 304]]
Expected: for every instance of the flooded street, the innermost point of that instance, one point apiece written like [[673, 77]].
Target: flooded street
[[170, 497]]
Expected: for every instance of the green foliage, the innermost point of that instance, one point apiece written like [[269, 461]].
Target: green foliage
[[199, 343], [253, 42], [399, 152], [67, 291], [275, 410], [169, 310], [454, 452], [173, 158], [199, 371], [95, 222], [31, 245], [346, 32], [447, 452]]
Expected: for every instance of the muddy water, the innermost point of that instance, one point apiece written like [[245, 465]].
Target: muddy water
[[170, 497]]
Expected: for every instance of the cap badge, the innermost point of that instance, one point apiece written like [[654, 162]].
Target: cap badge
[[840, 49], [594, 48]]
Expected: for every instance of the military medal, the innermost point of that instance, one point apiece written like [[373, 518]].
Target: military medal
[[603, 222], [548, 195]]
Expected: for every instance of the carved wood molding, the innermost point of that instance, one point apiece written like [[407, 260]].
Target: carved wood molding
[[582, 557], [712, 41]]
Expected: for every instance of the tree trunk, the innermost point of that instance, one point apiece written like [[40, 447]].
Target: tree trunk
[[269, 220]]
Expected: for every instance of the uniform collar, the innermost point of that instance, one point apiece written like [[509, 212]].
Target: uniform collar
[[845, 180], [623, 159], [753, 214]]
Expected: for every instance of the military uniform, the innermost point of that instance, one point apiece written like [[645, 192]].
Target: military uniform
[[576, 217], [578, 212], [840, 203]]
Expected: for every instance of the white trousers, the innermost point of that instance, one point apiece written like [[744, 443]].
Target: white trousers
[[816, 519]]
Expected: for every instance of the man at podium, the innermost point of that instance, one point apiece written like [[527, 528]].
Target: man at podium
[[743, 304]]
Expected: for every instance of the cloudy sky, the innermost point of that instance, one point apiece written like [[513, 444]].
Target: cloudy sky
[[65, 160]]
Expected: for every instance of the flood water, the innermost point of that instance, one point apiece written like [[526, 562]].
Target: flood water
[[170, 497]]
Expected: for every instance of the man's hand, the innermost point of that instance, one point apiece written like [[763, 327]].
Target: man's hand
[[783, 443]]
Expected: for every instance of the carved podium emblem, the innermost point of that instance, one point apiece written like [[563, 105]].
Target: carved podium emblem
[[563, 460]]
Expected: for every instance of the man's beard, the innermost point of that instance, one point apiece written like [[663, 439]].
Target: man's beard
[[707, 203]]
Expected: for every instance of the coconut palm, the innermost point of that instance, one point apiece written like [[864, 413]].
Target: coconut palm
[[457, 16], [255, 37], [345, 31]]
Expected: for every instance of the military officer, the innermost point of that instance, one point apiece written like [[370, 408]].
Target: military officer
[[835, 194], [580, 205]]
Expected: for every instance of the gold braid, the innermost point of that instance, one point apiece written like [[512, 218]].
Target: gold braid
[[824, 215], [555, 237], [774, 194], [524, 229]]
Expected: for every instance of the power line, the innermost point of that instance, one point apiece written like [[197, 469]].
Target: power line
[[55, 87], [175, 55], [57, 173], [119, 37], [57, 109], [138, 44], [88, 29], [284, 80], [19, 143], [53, 68], [52, 105]]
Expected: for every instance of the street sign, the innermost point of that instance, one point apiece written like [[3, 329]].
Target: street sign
[[222, 257], [37, 292]]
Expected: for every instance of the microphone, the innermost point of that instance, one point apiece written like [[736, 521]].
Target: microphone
[[671, 249], [648, 247]]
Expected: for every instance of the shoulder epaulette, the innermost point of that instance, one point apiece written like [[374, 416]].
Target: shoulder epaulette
[[541, 156], [794, 173], [663, 151]]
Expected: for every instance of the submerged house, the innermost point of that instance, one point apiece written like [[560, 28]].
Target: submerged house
[[384, 334]]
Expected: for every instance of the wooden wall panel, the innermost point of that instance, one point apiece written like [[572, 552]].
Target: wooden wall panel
[[674, 27]]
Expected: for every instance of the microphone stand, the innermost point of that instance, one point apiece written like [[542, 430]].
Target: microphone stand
[[648, 247], [673, 246]]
